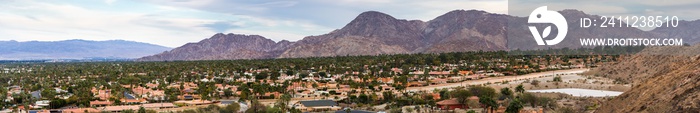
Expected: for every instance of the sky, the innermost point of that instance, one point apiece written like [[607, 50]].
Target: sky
[[173, 23]]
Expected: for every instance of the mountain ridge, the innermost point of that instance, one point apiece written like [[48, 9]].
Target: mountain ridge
[[76, 49], [375, 33]]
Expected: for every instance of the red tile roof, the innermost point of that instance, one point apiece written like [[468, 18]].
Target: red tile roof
[[81, 110], [452, 101]]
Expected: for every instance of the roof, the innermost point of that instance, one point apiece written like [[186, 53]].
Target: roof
[[318, 103], [452, 101], [36, 94], [81, 110], [474, 98], [120, 108], [100, 102], [128, 96], [158, 105], [194, 102], [132, 101], [36, 111]]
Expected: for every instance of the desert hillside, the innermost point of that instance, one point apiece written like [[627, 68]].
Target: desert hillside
[[649, 62], [665, 79]]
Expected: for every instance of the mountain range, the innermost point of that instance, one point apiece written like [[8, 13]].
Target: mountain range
[[76, 49], [375, 33]]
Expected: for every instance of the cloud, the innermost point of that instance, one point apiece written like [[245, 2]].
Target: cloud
[[665, 3], [220, 26], [31, 20], [337, 13], [110, 1]]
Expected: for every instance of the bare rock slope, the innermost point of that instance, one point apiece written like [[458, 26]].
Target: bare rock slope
[[665, 78]]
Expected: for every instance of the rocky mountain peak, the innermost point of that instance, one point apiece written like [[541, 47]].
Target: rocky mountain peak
[[378, 24], [482, 21], [374, 15]]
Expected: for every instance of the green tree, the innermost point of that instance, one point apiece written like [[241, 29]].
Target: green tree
[[395, 110], [142, 110], [488, 102], [547, 102], [482, 91], [520, 88], [228, 93], [303, 75], [363, 98], [388, 96], [283, 102], [529, 98], [454, 72], [231, 108], [48, 93], [506, 92], [128, 111], [289, 73], [57, 103], [322, 74], [514, 106], [462, 96], [274, 110], [256, 107]]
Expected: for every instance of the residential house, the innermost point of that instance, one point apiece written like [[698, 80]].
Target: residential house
[[417, 84], [118, 108], [465, 73], [100, 103], [449, 104], [438, 81], [439, 73], [455, 79], [384, 87], [102, 94], [31, 111], [386, 80], [81, 110], [148, 93]]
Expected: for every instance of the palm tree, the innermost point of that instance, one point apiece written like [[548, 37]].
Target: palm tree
[[520, 88], [284, 101], [488, 102]]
